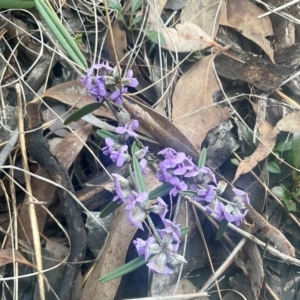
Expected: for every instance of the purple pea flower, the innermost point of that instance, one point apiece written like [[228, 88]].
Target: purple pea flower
[[159, 254], [132, 81], [108, 149], [123, 188], [172, 162], [177, 186], [206, 194], [161, 208], [187, 168], [118, 156], [206, 176], [143, 164], [128, 128], [171, 228], [116, 96]]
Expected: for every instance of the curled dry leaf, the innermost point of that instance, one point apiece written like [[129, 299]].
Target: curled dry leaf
[[203, 13], [242, 16], [268, 134], [193, 110]]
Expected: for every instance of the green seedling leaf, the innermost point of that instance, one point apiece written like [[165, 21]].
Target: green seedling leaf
[[110, 208], [115, 5], [286, 196], [246, 133], [273, 167], [105, 134], [189, 193], [222, 229], [297, 193], [135, 5], [125, 269], [138, 175], [160, 191], [82, 112], [137, 19], [202, 158], [234, 161], [154, 36], [21, 4], [283, 146], [295, 157], [78, 38]]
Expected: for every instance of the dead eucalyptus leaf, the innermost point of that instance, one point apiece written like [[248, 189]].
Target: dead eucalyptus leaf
[[241, 15], [193, 113], [290, 123], [203, 13], [264, 148], [160, 129], [73, 93]]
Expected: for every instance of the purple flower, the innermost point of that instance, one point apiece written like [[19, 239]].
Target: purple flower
[[161, 208], [168, 152], [171, 228], [172, 162], [132, 81], [116, 96], [186, 168], [177, 186], [159, 254], [206, 194], [128, 128], [122, 188], [108, 149], [143, 164], [119, 156], [216, 208], [206, 176]]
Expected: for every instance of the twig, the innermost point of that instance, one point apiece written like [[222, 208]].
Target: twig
[[8, 147], [278, 9]]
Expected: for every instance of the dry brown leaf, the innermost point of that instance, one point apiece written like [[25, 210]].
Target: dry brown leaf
[[120, 44], [160, 129], [262, 151], [268, 134], [203, 13], [6, 257], [186, 37], [191, 100], [74, 93], [242, 16], [66, 152]]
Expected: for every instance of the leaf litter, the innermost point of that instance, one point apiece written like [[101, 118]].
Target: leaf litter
[[194, 114]]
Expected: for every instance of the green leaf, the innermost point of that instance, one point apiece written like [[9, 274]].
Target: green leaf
[[139, 176], [202, 158], [160, 191], [137, 19], [273, 167], [295, 157], [105, 134], [15, 4], [184, 230], [135, 5], [125, 269], [222, 229], [284, 195], [154, 36], [297, 193], [82, 112], [115, 5], [110, 208], [134, 148], [234, 161], [283, 146]]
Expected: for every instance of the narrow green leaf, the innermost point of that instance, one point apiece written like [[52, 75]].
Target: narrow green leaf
[[184, 230], [202, 158], [283, 146], [82, 112], [160, 191], [273, 167], [222, 229], [295, 157], [15, 4], [154, 36], [134, 148], [135, 5], [60, 32], [105, 134], [115, 5], [110, 208], [138, 175], [234, 161], [125, 269]]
